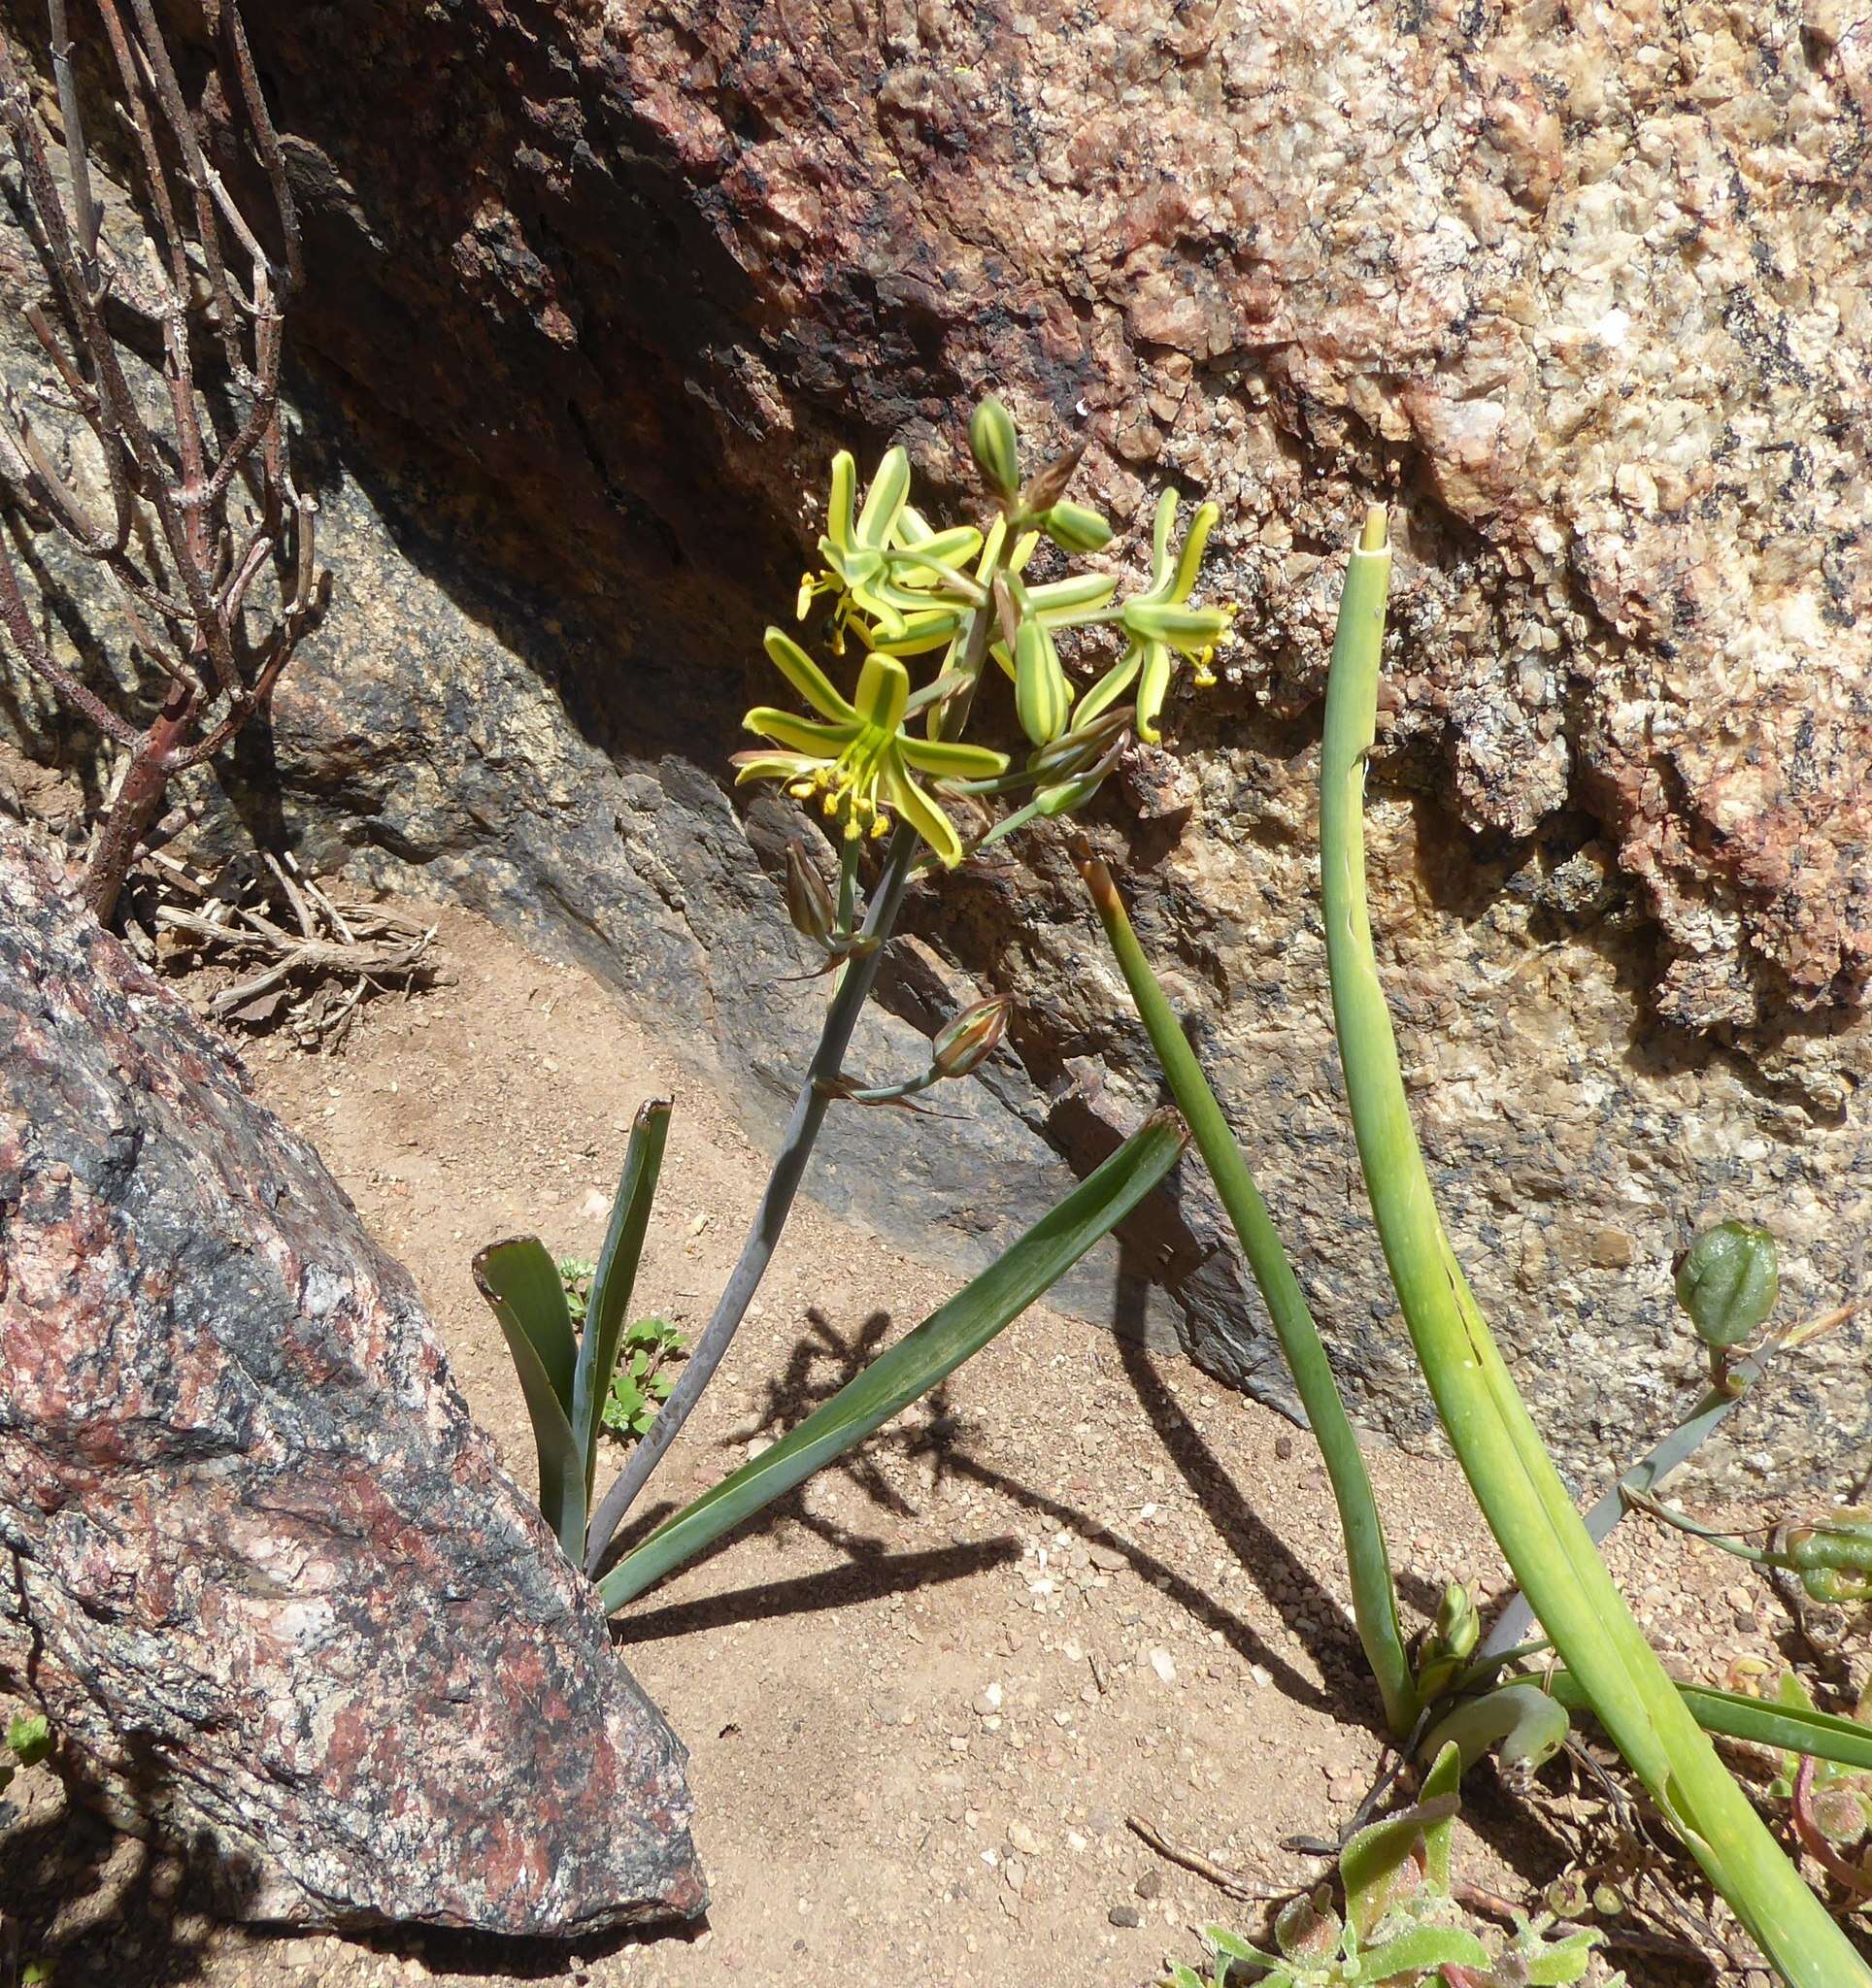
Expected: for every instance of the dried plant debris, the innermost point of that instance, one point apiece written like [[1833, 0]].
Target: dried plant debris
[[295, 958]]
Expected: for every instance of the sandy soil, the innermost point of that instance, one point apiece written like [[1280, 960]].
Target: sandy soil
[[923, 1695]]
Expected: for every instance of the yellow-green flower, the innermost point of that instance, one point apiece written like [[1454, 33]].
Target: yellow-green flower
[[883, 562], [859, 762], [1160, 624]]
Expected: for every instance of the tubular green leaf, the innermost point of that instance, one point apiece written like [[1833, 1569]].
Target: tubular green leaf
[[1793, 1729], [1374, 1595], [919, 1361], [1501, 1453], [521, 1286], [615, 1274]]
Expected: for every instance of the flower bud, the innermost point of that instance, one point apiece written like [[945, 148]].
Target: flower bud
[[1042, 696], [1834, 1559], [1727, 1280], [1050, 485], [966, 1043], [1458, 1627], [995, 447], [1450, 1643], [1074, 528], [809, 904]]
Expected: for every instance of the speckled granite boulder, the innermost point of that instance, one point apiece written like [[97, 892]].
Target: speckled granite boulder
[[263, 1573], [1581, 293]]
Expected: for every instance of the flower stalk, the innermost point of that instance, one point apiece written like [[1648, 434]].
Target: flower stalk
[[1373, 1594]]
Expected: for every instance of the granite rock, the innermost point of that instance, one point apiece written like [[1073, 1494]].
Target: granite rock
[[266, 1576], [1580, 295]]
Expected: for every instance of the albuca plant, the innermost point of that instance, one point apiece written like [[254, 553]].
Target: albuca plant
[[1520, 1493], [885, 768], [882, 764]]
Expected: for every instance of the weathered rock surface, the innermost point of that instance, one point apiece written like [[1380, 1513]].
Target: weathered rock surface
[[1587, 289], [1581, 293], [264, 1574]]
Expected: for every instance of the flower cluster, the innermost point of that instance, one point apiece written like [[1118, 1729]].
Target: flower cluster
[[899, 588]]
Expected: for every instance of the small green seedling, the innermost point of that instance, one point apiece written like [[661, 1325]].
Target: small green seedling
[[640, 1387], [29, 1739], [1401, 1925]]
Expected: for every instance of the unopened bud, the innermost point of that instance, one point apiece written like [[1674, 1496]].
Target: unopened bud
[[995, 447], [968, 1040], [1834, 1560], [809, 904], [1727, 1280], [1074, 528], [1043, 699], [1458, 1627], [1450, 1643], [1050, 485]]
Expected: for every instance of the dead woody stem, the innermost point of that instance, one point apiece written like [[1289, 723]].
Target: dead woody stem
[[189, 506]]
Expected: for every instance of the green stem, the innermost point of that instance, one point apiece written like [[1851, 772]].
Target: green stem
[[1501, 1453], [1667, 1516], [1373, 1594], [854, 982]]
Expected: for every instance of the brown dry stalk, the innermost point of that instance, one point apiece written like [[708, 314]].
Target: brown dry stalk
[[206, 543]]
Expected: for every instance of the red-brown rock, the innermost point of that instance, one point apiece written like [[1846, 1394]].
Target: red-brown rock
[[265, 1575]]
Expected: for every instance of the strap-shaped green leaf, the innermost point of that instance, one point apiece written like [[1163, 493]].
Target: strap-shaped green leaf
[[614, 1277], [921, 1358], [1527, 1507], [521, 1286], [1737, 1716], [1419, 1950]]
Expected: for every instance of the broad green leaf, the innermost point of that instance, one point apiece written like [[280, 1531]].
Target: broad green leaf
[[1379, 1867], [522, 1284], [1419, 1950], [1790, 1726], [921, 1358], [1231, 1946], [1440, 1782], [614, 1278], [1562, 1962]]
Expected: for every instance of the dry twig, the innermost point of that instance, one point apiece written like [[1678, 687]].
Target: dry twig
[[313, 978], [192, 512]]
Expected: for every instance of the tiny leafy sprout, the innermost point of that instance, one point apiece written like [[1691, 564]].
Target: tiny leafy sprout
[[639, 1386], [29, 1737], [1831, 1803], [576, 1275], [1727, 1280], [1401, 1925]]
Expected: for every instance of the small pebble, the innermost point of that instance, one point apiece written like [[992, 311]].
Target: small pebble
[[1125, 1915], [1150, 1884]]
